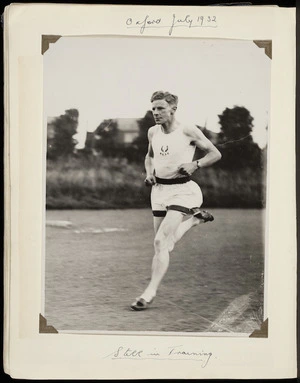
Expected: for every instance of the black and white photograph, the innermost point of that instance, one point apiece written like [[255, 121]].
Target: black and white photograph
[[156, 191], [150, 192]]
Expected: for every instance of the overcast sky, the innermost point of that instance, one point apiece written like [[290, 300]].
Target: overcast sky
[[110, 77]]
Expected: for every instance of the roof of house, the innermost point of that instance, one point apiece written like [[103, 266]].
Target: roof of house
[[128, 124]]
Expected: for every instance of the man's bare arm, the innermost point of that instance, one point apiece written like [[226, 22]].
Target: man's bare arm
[[212, 153], [149, 166]]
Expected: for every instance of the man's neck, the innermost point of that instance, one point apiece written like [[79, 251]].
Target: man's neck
[[169, 126]]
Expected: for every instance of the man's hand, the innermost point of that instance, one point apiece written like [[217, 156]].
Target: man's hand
[[187, 169], [150, 180]]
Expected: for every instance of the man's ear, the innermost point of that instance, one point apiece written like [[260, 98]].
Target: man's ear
[[174, 108]]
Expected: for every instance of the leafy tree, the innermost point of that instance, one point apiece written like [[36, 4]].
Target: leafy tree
[[140, 144], [236, 123], [105, 138], [235, 140], [61, 142]]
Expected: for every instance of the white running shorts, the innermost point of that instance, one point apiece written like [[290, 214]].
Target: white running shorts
[[181, 197]]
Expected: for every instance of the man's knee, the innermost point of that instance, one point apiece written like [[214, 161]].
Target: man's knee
[[160, 242]]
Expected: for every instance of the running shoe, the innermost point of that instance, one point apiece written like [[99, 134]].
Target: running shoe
[[202, 214], [140, 304]]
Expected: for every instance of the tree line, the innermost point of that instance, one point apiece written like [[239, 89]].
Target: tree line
[[234, 140]]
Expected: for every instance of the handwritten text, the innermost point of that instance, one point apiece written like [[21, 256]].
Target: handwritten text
[[185, 21], [177, 352]]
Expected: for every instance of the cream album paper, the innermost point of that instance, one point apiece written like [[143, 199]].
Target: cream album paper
[[150, 207]]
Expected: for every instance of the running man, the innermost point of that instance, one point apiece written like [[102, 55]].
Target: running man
[[174, 196]]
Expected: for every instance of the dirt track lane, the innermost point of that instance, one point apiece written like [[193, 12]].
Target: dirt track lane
[[93, 273]]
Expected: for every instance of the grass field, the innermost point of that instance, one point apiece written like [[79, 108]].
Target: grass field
[[95, 267]]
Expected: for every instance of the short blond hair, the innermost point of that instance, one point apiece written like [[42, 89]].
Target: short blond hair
[[168, 97]]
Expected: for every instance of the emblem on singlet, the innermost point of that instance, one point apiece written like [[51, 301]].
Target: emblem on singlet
[[164, 150]]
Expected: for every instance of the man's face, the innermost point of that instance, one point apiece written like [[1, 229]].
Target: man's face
[[162, 111]]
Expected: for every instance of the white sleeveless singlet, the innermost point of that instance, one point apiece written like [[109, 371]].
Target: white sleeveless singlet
[[170, 151]]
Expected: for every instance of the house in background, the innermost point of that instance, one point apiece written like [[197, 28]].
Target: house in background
[[128, 130], [89, 143], [123, 131]]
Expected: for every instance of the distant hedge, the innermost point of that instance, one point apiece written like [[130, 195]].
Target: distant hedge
[[113, 183]]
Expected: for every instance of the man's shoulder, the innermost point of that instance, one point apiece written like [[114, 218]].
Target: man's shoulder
[[152, 130], [189, 129], [193, 132]]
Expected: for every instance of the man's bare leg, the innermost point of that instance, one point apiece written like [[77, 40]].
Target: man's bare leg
[[156, 225], [183, 228], [160, 263], [201, 217]]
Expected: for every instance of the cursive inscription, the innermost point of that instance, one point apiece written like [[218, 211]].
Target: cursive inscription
[[202, 356], [185, 21], [177, 352]]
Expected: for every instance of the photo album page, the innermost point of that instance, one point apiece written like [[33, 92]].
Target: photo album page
[[150, 204]]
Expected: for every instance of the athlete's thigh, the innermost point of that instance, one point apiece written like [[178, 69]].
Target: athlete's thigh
[[188, 195], [157, 222], [170, 223]]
